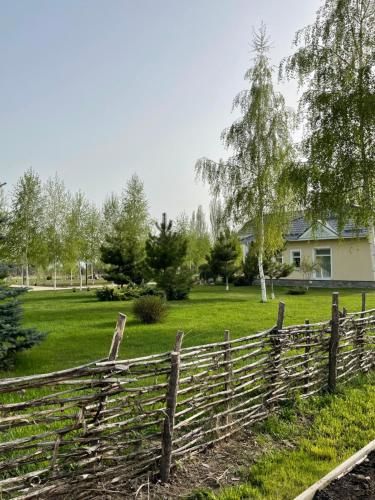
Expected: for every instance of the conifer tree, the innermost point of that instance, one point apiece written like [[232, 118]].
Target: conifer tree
[[13, 338], [166, 252]]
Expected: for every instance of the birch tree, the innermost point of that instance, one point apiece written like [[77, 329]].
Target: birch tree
[[25, 238], [335, 63], [55, 200], [251, 180]]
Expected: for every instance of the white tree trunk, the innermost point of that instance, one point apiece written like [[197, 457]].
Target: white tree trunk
[[71, 277], [226, 283], [27, 273], [80, 276], [54, 275], [260, 260], [272, 291], [262, 277], [92, 274]]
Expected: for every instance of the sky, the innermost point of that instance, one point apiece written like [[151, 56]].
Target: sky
[[98, 90]]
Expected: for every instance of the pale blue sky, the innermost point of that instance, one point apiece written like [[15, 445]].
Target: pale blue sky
[[97, 90]]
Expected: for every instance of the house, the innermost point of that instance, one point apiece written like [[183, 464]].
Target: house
[[342, 259]]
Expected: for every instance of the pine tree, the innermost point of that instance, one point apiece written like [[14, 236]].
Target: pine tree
[[166, 253]]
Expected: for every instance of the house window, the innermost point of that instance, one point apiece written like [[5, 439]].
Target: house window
[[279, 257], [323, 260], [296, 258]]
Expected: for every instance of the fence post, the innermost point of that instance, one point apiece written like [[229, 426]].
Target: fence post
[[363, 308], [228, 368], [333, 344], [307, 356], [171, 402], [112, 356], [276, 347], [117, 337], [360, 333]]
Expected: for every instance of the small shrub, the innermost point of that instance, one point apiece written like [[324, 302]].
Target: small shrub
[[150, 309], [107, 294], [298, 290], [242, 281]]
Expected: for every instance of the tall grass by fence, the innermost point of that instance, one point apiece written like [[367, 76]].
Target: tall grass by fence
[[110, 420]]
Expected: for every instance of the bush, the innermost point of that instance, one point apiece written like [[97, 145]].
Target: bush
[[108, 294], [150, 309], [298, 290], [242, 281]]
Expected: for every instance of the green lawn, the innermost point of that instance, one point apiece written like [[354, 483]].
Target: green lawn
[[80, 328], [305, 443]]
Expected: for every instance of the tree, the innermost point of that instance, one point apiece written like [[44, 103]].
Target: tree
[[124, 247], [13, 338], [55, 199], [196, 232], [252, 181], [276, 270], [24, 237], [75, 237], [334, 62], [166, 253], [217, 218], [307, 268], [224, 255]]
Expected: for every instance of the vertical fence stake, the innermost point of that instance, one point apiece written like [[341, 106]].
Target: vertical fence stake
[[333, 344], [171, 402], [360, 333], [228, 376], [276, 350], [117, 337], [363, 308], [112, 356], [307, 356]]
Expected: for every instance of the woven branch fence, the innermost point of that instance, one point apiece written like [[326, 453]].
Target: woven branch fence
[[109, 421]]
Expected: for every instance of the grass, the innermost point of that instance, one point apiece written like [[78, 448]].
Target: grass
[[323, 432], [80, 328]]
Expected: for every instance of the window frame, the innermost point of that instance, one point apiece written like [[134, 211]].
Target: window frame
[[314, 260], [297, 268]]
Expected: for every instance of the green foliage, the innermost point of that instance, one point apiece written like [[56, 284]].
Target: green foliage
[[14, 338], [253, 181], [166, 254], [124, 249], [334, 62], [224, 256], [110, 294], [250, 264], [24, 229], [150, 309]]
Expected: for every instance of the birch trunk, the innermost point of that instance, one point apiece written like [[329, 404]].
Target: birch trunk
[[27, 272], [71, 277], [54, 275], [80, 276], [92, 274], [260, 259]]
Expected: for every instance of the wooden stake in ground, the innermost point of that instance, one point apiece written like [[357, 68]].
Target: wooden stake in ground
[[275, 353], [171, 401], [228, 369], [307, 357], [333, 343]]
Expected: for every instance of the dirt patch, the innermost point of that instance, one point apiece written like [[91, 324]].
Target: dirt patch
[[359, 483], [213, 469]]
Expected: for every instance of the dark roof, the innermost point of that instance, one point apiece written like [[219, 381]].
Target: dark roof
[[299, 225]]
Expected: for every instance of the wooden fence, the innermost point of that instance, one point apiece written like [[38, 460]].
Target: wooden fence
[[62, 433]]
